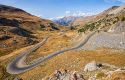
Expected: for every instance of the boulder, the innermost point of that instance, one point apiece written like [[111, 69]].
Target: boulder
[[92, 66]]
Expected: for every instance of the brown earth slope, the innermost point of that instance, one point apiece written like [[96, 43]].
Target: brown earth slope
[[17, 27]]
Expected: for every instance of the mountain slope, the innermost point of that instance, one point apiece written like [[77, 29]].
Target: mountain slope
[[83, 20], [17, 27], [119, 10], [24, 19], [112, 26], [104, 20]]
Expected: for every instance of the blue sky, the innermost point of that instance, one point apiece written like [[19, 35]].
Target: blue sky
[[59, 8]]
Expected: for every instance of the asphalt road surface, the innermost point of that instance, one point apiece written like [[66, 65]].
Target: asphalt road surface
[[18, 65]]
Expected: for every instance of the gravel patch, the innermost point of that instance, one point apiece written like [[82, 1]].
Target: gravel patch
[[106, 40]]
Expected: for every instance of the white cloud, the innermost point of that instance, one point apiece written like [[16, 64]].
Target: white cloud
[[51, 18], [123, 1], [76, 13], [80, 13], [59, 17], [56, 18], [67, 12]]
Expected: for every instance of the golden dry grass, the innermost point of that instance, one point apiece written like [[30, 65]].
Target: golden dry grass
[[56, 41], [72, 60], [118, 75], [75, 61]]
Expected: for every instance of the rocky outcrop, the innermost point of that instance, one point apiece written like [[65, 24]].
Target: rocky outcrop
[[66, 75], [21, 32], [106, 40], [92, 66], [9, 22], [4, 37], [117, 28]]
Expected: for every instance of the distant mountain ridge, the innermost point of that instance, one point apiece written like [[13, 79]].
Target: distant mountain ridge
[[67, 20]]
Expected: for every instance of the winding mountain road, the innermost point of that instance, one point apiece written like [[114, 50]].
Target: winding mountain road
[[18, 65]]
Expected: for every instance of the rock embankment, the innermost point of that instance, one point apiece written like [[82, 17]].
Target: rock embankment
[[66, 75], [92, 71], [106, 40]]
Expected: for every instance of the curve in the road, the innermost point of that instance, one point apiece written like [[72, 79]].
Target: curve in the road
[[18, 65]]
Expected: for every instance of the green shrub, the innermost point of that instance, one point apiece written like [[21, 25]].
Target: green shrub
[[81, 30], [42, 27], [100, 75], [4, 75], [89, 26], [123, 19]]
